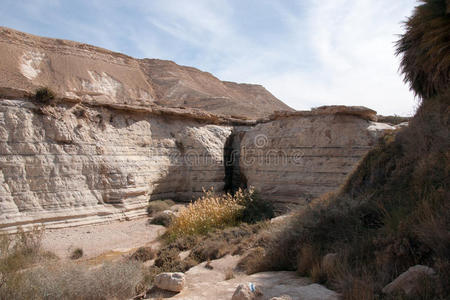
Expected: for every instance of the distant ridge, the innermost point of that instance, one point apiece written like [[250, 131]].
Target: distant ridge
[[86, 72]]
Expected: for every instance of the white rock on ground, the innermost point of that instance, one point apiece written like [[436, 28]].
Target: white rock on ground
[[282, 297], [246, 291], [207, 284], [170, 281], [409, 281]]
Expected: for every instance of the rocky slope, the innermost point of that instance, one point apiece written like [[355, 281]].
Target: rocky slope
[[89, 73]]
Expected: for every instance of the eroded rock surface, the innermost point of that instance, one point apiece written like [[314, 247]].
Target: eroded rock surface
[[409, 281], [203, 283], [302, 155], [76, 164]]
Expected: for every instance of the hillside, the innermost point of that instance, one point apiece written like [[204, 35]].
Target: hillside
[[86, 72]]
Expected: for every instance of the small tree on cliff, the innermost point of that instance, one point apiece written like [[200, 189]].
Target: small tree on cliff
[[425, 49]]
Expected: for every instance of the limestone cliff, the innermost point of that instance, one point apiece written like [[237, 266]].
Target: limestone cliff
[[74, 164], [303, 155]]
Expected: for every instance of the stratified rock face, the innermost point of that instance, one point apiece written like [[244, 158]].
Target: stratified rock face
[[303, 155], [72, 163], [89, 73]]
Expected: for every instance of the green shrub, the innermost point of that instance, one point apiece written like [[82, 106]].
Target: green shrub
[[255, 208], [77, 253], [44, 95]]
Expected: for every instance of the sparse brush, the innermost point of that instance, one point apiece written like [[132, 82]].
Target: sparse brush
[[143, 254]]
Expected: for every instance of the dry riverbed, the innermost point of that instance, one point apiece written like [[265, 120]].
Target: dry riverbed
[[106, 239]]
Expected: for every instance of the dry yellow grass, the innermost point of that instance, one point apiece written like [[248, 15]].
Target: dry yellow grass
[[209, 211]]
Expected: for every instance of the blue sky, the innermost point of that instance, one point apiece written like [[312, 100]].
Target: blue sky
[[306, 52]]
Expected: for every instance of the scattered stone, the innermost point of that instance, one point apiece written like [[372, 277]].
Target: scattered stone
[[170, 281], [247, 291], [282, 297], [409, 281]]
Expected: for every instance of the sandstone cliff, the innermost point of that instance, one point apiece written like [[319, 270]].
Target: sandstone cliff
[[85, 72]]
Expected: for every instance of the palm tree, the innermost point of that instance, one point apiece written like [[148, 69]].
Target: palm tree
[[425, 49]]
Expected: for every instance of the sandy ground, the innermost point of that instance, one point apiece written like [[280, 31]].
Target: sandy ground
[[113, 238]]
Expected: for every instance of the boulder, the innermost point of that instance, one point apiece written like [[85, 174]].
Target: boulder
[[409, 281], [170, 281], [247, 291]]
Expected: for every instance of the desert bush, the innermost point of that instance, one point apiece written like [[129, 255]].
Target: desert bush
[[255, 208], [162, 218], [143, 254], [44, 95], [158, 206], [76, 253], [253, 262], [21, 250]]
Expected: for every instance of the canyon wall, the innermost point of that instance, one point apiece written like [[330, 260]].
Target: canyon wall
[[303, 155], [71, 164], [122, 131]]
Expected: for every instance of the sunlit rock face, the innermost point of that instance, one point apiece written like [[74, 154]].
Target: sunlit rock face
[[303, 155], [76, 164]]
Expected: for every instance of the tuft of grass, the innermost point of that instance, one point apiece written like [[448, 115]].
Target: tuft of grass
[[208, 212], [77, 253], [44, 95], [218, 211]]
